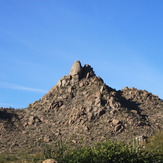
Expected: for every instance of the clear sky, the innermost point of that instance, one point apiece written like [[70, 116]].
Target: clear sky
[[40, 39]]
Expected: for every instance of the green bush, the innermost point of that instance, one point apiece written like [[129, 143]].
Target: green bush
[[109, 152], [7, 158], [155, 144]]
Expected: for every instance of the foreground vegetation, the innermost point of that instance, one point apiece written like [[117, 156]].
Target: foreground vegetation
[[106, 152]]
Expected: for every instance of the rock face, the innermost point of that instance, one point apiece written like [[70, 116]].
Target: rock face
[[81, 107], [76, 68]]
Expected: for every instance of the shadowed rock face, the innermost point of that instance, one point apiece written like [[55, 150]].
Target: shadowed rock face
[[81, 107], [76, 68]]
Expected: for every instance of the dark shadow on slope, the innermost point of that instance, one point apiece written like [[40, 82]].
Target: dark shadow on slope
[[7, 114], [130, 105]]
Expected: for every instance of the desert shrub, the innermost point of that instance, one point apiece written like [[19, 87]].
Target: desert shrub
[[155, 144], [108, 152], [7, 158]]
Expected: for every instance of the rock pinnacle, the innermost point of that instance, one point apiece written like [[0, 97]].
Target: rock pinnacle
[[76, 68]]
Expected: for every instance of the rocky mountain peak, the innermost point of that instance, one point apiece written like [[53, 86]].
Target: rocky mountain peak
[[77, 73], [76, 68], [81, 72], [82, 106]]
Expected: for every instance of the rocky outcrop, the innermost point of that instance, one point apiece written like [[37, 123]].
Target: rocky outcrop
[[76, 68], [81, 107]]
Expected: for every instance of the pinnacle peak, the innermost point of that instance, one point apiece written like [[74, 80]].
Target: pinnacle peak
[[77, 69]]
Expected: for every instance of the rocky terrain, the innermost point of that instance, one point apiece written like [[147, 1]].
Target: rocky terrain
[[81, 108]]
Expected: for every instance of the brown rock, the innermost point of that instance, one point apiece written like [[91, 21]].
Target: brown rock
[[90, 116], [74, 141], [118, 127], [50, 161], [46, 139], [98, 101], [31, 120], [134, 111], [88, 75], [101, 89], [81, 84], [75, 79], [115, 122], [76, 68], [63, 82], [98, 95], [113, 112]]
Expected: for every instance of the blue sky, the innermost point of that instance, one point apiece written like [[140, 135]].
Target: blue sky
[[40, 40]]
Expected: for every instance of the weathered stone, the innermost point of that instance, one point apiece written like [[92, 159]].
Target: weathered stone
[[64, 96], [140, 140], [63, 107], [98, 95], [50, 161], [86, 128], [115, 122], [76, 68], [125, 88], [81, 84], [88, 71], [113, 112], [118, 127], [132, 88], [71, 121], [101, 89], [63, 82], [69, 90], [85, 92], [31, 120], [46, 139], [59, 83], [98, 101], [113, 103], [134, 111], [74, 141], [75, 79], [88, 75], [60, 98], [90, 116]]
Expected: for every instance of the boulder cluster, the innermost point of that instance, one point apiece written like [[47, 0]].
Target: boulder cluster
[[81, 108]]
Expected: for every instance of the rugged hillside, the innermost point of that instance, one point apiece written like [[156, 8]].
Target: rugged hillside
[[81, 108]]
